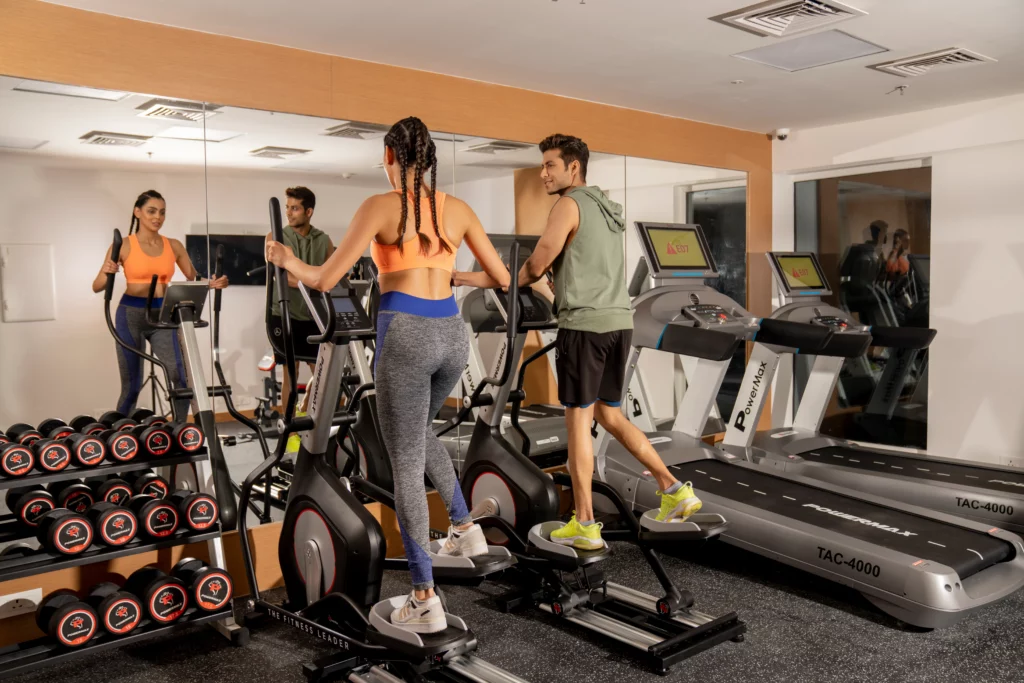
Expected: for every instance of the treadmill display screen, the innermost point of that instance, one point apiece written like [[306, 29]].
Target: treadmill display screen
[[800, 272], [677, 248], [343, 304]]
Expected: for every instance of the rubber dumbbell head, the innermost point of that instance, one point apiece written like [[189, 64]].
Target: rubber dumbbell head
[[124, 425], [73, 495], [51, 456], [80, 422], [29, 503], [23, 433], [149, 484], [121, 446], [66, 618], [4, 439], [113, 490], [153, 420], [93, 429], [54, 429], [111, 416], [16, 460], [140, 414], [118, 611], [155, 439], [198, 510], [64, 532], [188, 438], [164, 597], [158, 518], [210, 588], [114, 525], [88, 451], [16, 550]]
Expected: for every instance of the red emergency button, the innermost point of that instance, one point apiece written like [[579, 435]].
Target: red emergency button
[[722, 316]]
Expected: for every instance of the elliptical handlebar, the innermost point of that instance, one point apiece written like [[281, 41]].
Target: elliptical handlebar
[[281, 289], [332, 321], [115, 255], [218, 270]]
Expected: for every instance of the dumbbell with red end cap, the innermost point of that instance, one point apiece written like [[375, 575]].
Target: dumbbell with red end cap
[[119, 611], [87, 450], [140, 414], [198, 510], [73, 495], [155, 438], [111, 490], [66, 618], [154, 420], [111, 416], [55, 428], [23, 433], [64, 532], [210, 588], [87, 424], [163, 597], [16, 460], [148, 483], [158, 518], [51, 456], [114, 525], [121, 446], [3, 438], [187, 437], [29, 503]]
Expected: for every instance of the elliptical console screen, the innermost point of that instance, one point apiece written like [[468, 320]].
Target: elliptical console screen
[[800, 272], [676, 250]]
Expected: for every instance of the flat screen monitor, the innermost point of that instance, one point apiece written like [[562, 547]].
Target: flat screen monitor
[[676, 250], [242, 253], [799, 272]]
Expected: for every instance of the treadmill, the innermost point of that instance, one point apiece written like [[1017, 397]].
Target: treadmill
[[990, 494], [925, 568]]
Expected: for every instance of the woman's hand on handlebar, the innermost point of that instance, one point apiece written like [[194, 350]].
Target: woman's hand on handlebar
[[219, 282], [278, 253], [110, 267]]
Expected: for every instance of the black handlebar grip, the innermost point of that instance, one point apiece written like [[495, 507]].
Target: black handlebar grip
[[115, 255], [218, 270], [281, 290], [149, 298]]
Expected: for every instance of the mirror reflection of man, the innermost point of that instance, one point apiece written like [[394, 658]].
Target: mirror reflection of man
[[311, 246]]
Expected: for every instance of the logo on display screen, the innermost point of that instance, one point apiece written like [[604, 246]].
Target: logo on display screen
[[676, 246]]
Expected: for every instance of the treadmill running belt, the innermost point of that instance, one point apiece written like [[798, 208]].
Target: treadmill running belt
[[919, 468], [965, 551]]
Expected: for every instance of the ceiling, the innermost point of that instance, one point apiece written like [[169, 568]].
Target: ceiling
[[662, 56]]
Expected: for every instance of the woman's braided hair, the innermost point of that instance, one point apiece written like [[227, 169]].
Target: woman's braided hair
[[411, 142]]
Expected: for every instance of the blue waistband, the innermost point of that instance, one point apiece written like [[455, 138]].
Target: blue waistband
[[399, 302], [139, 302]]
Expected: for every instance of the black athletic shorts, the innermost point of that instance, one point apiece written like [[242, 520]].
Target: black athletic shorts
[[301, 331], [591, 366]]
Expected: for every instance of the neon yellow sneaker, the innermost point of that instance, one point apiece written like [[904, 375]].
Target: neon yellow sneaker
[[678, 505], [579, 536], [294, 441]]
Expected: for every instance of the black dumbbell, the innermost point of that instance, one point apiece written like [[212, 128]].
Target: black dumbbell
[[198, 510], [111, 490], [121, 446], [165, 598], [29, 503], [16, 460], [154, 438], [51, 456], [66, 618], [210, 588], [188, 438], [16, 550], [111, 416], [154, 420], [64, 532], [148, 483], [73, 495], [4, 439], [87, 451], [140, 414], [54, 428], [114, 525], [23, 433], [87, 424], [157, 517], [119, 611]]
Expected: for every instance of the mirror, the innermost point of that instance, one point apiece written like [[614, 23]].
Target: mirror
[[73, 161]]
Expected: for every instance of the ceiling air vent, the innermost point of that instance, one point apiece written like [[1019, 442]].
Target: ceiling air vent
[[497, 147], [98, 137], [781, 18], [176, 110], [277, 152], [355, 130], [921, 64]]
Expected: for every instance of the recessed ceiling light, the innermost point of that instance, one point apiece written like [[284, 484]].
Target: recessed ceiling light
[[20, 143], [197, 133], [45, 88], [807, 52]]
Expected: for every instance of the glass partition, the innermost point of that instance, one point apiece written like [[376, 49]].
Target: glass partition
[[73, 161]]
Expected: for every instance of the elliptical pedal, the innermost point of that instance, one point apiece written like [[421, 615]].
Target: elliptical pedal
[[697, 527]]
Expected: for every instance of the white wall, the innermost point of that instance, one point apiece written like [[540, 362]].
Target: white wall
[[976, 410]]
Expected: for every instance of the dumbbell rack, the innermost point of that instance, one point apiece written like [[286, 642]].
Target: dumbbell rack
[[22, 657]]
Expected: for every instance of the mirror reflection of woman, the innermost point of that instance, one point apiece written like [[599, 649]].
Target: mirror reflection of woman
[[413, 234], [146, 253]]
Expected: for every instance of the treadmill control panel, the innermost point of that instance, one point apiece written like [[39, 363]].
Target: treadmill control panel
[[708, 314], [834, 321]]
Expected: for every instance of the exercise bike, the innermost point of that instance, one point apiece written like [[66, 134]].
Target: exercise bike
[[332, 550]]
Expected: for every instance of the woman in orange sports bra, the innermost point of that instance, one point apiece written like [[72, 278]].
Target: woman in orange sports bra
[[422, 345], [144, 254]]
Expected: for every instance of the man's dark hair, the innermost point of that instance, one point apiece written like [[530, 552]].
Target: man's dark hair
[[876, 229], [302, 194], [571, 148]]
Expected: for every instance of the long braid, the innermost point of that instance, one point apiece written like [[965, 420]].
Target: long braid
[[421, 162], [433, 205], [403, 164]]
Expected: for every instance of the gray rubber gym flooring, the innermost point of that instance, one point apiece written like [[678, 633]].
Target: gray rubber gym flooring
[[801, 628]]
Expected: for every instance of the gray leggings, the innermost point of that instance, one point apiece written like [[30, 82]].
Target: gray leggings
[[132, 327], [419, 361]]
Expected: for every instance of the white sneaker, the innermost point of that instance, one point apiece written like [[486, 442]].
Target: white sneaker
[[468, 543], [425, 616]]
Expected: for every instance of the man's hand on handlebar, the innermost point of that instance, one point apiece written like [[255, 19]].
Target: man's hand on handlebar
[[219, 282]]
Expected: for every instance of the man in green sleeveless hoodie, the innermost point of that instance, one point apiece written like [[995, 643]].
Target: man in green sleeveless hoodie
[[584, 244], [311, 246]]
